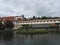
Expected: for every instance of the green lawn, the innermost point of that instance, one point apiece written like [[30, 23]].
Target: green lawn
[[31, 31]]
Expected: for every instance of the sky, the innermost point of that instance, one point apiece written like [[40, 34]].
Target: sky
[[30, 8]]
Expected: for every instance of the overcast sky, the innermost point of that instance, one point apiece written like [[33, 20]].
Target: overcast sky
[[30, 7]]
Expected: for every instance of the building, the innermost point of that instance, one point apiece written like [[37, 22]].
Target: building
[[11, 18], [43, 24]]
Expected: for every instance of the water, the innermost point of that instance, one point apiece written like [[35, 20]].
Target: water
[[37, 39]]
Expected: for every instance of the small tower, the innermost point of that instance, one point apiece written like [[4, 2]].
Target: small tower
[[23, 16]]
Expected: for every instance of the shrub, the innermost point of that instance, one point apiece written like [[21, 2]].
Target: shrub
[[9, 24], [1, 25]]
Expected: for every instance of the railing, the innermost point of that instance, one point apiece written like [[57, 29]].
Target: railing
[[37, 22], [17, 24]]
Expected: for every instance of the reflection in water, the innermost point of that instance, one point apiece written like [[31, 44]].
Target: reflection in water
[[31, 35], [38, 39], [6, 36]]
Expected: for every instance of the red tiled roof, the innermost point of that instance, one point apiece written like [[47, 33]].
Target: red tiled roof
[[10, 18]]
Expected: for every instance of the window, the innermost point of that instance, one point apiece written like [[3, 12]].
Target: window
[[43, 21], [40, 21], [54, 20], [37, 21], [50, 20]]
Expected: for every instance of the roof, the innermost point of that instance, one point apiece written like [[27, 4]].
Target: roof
[[39, 20]]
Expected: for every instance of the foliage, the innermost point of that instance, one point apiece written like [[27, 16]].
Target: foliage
[[43, 17], [32, 31], [1, 24], [9, 24], [34, 17], [25, 26]]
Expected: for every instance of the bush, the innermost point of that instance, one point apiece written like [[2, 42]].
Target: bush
[[9, 24], [1, 25], [32, 31], [25, 27]]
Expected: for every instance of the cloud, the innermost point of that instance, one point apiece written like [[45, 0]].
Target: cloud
[[30, 7]]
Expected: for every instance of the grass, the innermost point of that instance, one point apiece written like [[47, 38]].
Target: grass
[[32, 31]]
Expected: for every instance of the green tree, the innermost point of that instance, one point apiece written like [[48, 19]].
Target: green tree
[[34, 17], [44, 17], [9, 24], [1, 24], [25, 26]]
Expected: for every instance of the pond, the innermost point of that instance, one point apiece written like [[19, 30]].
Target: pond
[[36, 39]]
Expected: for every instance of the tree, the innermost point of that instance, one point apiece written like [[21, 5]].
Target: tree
[[25, 26], [1, 24], [44, 17], [39, 18], [34, 17], [9, 24]]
